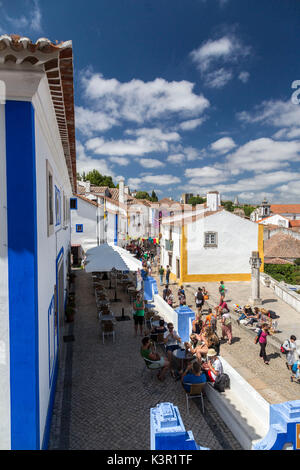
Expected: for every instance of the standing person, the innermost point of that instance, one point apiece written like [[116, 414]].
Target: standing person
[[226, 327], [262, 340], [168, 274], [165, 292], [222, 290], [161, 275], [199, 297], [139, 313], [181, 295], [291, 347]]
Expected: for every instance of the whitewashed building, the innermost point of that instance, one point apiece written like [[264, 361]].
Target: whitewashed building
[[37, 179], [209, 244]]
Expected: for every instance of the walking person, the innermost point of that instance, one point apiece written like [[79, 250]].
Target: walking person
[[161, 275], [222, 290], [168, 274], [226, 327], [291, 347], [262, 340], [199, 297]]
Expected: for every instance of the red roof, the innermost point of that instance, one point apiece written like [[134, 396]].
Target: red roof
[[285, 208]]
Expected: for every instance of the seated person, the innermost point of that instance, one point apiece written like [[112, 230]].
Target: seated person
[[247, 312], [147, 352], [197, 324], [158, 330], [171, 340], [255, 317], [198, 345], [213, 340], [213, 366], [193, 374], [170, 298]]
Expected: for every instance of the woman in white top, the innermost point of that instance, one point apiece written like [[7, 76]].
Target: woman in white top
[[291, 347]]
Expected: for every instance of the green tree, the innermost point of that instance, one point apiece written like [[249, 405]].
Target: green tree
[[142, 195], [248, 209], [196, 200], [97, 179], [154, 198], [228, 205]]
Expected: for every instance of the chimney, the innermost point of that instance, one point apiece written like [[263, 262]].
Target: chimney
[[121, 190], [213, 201], [87, 187]]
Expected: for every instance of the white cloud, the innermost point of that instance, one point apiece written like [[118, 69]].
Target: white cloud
[[31, 22], [177, 158], [88, 121], [154, 134], [218, 78], [282, 114], [157, 180], [207, 175], [150, 162], [223, 145], [139, 101], [122, 161], [190, 124], [264, 154], [211, 56], [244, 76], [124, 147], [86, 163]]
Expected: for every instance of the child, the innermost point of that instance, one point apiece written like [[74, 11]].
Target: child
[[296, 370]]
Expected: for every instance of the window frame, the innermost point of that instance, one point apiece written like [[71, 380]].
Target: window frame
[[49, 199], [71, 200], [209, 244], [77, 228]]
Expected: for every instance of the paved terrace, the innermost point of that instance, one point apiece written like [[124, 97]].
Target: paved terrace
[[271, 381], [102, 401]]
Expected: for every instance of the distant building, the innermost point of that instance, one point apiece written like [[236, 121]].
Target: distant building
[[208, 243], [184, 199], [284, 215]]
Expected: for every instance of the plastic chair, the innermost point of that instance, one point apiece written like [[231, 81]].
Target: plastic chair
[[107, 329], [196, 391], [151, 365]]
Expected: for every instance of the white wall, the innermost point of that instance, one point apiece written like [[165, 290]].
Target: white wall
[[237, 238], [85, 214], [48, 147], [4, 304]]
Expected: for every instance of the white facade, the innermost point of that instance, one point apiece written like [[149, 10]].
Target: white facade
[[36, 174]]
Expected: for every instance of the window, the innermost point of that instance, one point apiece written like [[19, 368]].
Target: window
[[73, 203], [49, 196], [79, 228], [210, 239], [57, 207]]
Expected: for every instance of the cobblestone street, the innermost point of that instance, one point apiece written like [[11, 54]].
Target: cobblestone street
[[103, 400], [272, 381]]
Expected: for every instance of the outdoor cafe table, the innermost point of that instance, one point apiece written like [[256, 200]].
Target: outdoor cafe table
[[183, 355], [156, 323]]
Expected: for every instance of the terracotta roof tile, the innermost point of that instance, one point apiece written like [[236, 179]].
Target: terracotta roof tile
[[56, 60], [281, 245], [285, 208]]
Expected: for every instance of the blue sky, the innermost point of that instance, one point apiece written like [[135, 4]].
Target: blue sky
[[181, 95]]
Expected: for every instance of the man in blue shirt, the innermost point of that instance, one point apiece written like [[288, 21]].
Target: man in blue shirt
[[193, 375]]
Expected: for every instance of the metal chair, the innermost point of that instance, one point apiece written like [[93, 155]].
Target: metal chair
[[107, 329], [196, 391]]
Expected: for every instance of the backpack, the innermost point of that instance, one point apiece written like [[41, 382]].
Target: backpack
[[282, 349], [258, 336], [222, 381]]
